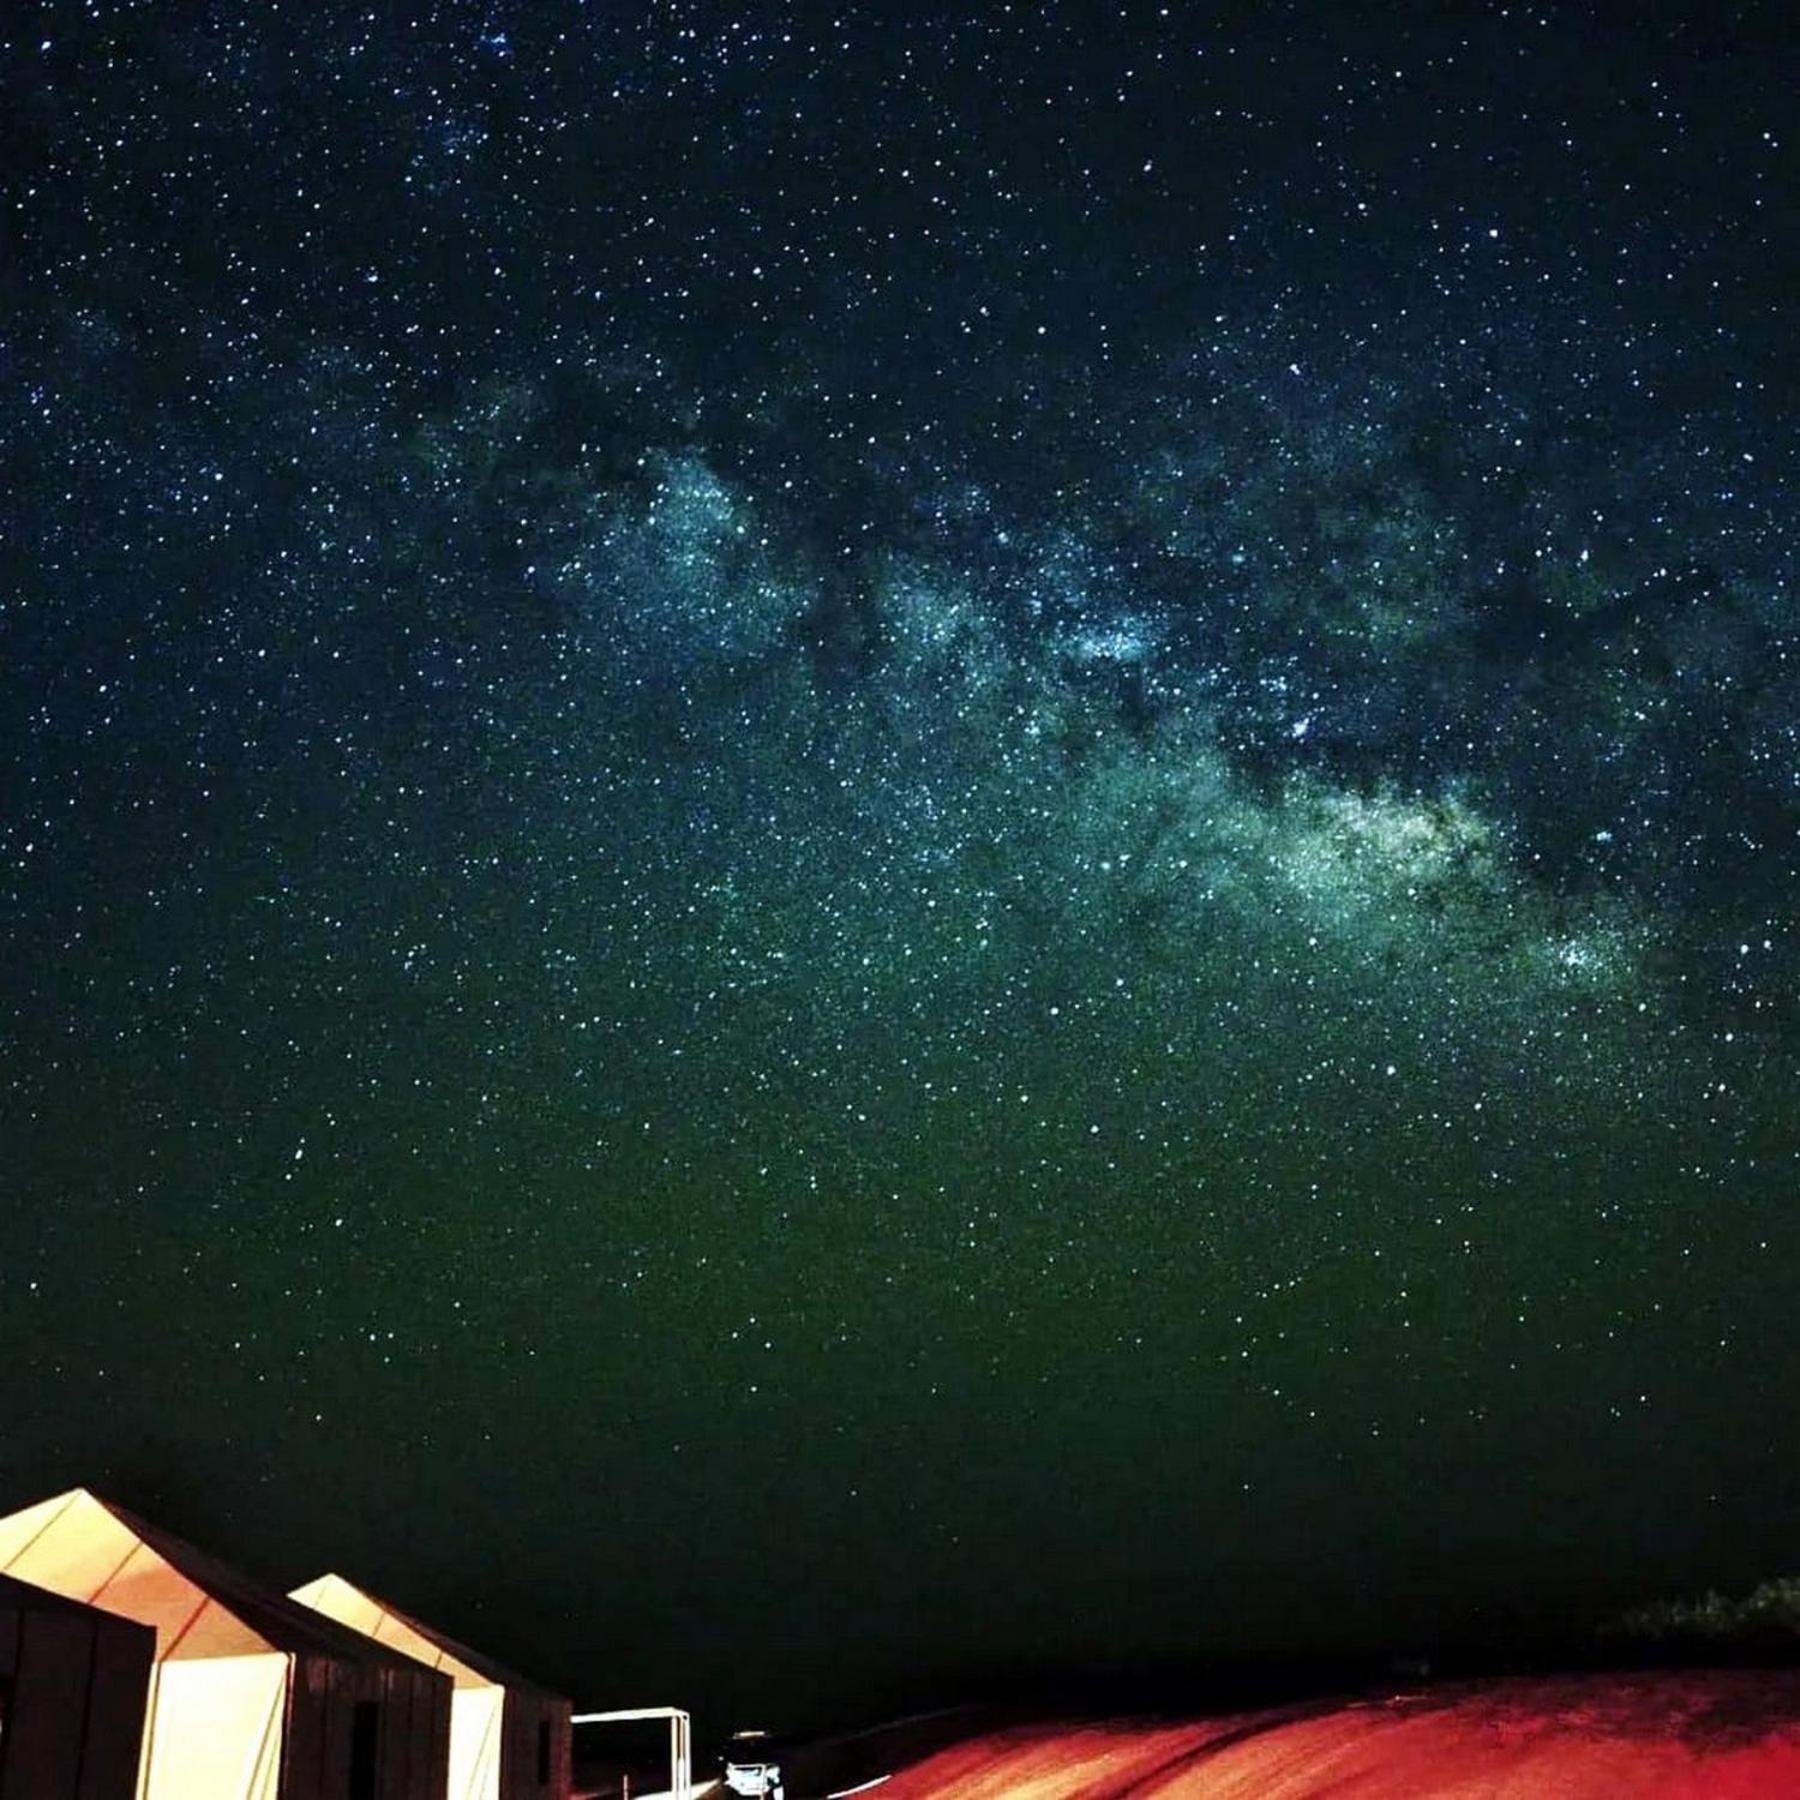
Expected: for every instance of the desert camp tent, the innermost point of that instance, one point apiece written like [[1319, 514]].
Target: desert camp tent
[[73, 1681], [509, 1740], [251, 1696]]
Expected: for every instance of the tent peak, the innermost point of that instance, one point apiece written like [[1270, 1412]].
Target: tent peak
[[339, 1597]]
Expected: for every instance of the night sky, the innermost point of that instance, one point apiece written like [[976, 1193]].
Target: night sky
[[843, 847]]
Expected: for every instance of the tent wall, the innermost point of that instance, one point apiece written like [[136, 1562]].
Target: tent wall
[[215, 1729], [75, 1683], [534, 1763], [477, 1723], [410, 1736]]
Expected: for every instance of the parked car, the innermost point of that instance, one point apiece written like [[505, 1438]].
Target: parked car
[[753, 1766]]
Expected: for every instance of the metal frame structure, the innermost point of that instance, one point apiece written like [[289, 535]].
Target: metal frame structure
[[681, 1732]]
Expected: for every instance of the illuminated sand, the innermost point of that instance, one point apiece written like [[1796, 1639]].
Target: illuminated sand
[[1724, 1734]]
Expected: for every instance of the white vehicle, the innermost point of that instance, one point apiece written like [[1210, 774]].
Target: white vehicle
[[753, 1766]]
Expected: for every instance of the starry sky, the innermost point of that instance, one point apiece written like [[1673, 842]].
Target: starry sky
[[843, 846]]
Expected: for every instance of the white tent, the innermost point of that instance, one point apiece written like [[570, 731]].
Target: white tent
[[251, 1696], [509, 1739]]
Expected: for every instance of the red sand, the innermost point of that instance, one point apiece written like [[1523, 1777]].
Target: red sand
[[1728, 1735]]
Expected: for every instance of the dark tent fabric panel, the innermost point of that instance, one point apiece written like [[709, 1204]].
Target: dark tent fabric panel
[[366, 1731], [118, 1691], [414, 1746], [48, 1711], [535, 1755], [303, 1750], [73, 1683], [428, 1738]]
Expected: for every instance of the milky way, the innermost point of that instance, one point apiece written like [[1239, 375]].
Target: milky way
[[859, 822]]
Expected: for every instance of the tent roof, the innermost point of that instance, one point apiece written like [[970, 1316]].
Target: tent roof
[[88, 1549], [387, 1624]]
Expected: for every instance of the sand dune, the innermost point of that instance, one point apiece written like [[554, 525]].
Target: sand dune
[[1730, 1734]]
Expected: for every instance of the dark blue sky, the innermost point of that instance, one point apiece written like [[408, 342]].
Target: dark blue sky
[[845, 848]]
